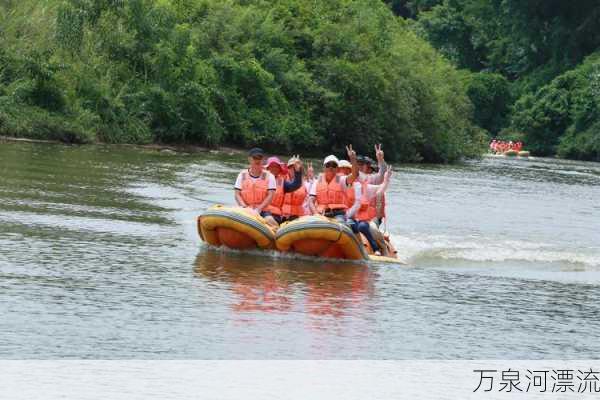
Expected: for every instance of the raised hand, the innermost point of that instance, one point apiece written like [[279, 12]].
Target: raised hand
[[310, 172], [351, 153], [388, 173], [297, 163], [379, 153]]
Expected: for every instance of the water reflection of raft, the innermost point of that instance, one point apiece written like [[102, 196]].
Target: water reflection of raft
[[236, 228]]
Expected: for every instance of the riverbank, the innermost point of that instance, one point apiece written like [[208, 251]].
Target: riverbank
[[170, 148], [185, 148]]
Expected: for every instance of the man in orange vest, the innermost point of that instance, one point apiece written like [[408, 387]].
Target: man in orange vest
[[255, 187], [328, 193]]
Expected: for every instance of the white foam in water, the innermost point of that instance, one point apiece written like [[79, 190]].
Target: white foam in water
[[418, 247]]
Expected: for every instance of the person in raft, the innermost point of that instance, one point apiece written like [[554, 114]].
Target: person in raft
[[363, 196], [377, 179], [256, 188], [295, 203], [367, 169], [369, 218], [328, 192], [283, 187]]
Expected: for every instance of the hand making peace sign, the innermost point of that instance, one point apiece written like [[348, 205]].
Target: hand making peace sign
[[379, 153], [351, 153]]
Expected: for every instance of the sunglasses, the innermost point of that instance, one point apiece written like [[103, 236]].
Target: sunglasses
[[257, 158], [331, 165]]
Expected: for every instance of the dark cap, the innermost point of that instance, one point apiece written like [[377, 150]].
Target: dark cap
[[256, 151], [360, 159], [369, 160]]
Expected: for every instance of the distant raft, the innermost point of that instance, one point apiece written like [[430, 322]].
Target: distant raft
[[511, 153], [321, 237], [523, 154], [236, 228]]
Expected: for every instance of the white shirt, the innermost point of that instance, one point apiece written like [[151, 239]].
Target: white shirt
[[271, 183], [371, 191], [357, 197], [307, 185], [376, 178]]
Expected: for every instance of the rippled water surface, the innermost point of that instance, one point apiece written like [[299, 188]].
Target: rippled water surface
[[99, 258]]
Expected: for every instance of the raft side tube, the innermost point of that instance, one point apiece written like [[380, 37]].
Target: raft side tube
[[321, 237], [234, 227]]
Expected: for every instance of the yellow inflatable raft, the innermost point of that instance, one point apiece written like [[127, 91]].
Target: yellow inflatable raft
[[511, 153], [321, 237], [236, 228], [523, 153]]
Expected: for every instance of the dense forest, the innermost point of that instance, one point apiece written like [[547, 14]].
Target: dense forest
[[287, 75], [535, 66], [432, 80]]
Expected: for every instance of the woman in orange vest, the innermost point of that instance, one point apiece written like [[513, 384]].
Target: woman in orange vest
[[328, 193], [367, 209], [371, 195], [283, 186], [294, 203]]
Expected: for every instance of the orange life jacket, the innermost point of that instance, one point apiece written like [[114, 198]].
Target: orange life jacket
[[254, 191], [330, 195], [364, 202], [370, 208], [277, 202], [293, 202]]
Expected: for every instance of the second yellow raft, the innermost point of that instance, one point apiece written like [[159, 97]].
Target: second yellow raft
[[321, 237]]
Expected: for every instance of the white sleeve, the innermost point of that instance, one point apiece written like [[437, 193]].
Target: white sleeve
[[372, 191], [238, 181], [272, 184], [377, 178], [312, 191], [357, 196]]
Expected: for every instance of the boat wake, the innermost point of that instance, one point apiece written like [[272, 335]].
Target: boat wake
[[426, 249]]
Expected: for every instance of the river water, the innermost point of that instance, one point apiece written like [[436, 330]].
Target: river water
[[99, 258]]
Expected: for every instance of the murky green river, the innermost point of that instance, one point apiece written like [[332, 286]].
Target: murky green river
[[99, 258]]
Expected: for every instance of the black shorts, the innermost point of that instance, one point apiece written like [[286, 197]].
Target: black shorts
[[334, 213], [283, 219]]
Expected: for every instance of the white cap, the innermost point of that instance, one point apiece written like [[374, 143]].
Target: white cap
[[344, 164], [331, 158]]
